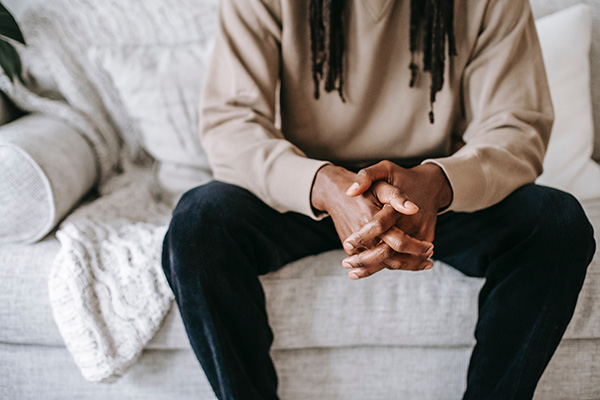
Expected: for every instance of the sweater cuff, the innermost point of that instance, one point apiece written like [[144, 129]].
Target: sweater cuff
[[291, 185], [467, 179]]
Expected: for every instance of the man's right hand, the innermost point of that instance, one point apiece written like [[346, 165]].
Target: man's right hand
[[349, 214]]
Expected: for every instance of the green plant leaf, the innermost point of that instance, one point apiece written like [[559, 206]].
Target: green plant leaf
[[8, 26], [10, 61]]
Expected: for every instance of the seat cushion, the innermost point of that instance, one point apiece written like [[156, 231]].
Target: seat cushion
[[357, 373], [311, 303], [25, 315]]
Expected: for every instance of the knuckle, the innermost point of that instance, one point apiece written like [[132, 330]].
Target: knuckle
[[387, 252], [359, 262], [396, 263], [364, 220], [399, 244], [363, 173], [377, 225], [356, 239], [418, 265]]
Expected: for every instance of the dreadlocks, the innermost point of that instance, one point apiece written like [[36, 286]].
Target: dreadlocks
[[431, 24]]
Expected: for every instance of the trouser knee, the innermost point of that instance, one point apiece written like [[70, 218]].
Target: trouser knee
[[557, 223], [199, 230]]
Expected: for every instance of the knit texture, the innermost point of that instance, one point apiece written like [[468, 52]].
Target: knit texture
[[107, 289]]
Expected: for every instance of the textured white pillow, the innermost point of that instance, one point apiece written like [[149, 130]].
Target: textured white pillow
[[45, 168], [160, 87], [566, 38]]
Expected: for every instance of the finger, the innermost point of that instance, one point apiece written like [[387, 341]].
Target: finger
[[383, 256], [401, 242], [381, 222], [389, 194], [366, 176], [372, 259], [408, 262], [360, 273]]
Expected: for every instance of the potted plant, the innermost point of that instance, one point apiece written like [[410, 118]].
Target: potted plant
[[9, 57]]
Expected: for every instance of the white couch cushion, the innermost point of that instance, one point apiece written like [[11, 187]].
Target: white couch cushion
[[565, 38], [160, 86], [545, 7]]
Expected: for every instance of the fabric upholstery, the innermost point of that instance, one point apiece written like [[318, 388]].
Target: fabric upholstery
[[45, 168], [350, 373], [89, 25], [27, 319], [160, 87], [545, 7], [565, 38]]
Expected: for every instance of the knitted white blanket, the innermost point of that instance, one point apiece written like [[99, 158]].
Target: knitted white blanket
[[107, 289]]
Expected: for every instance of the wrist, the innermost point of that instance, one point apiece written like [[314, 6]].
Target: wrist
[[328, 180], [440, 184]]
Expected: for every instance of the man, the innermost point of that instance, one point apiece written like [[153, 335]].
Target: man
[[461, 143]]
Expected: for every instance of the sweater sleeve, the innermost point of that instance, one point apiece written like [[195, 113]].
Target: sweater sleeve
[[238, 110], [506, 98]]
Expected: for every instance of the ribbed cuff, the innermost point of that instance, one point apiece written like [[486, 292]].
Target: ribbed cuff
[[291, 185]]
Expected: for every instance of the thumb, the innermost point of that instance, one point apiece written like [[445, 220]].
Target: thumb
[[365, 178], [393, 196]]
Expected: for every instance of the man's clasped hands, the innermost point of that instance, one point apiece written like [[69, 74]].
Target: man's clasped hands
[[385, 215]]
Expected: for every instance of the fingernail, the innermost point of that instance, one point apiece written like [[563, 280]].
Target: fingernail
[[347, 265], [352, 188], [429, 265], [353, 276], [348, 246], [410, 205]]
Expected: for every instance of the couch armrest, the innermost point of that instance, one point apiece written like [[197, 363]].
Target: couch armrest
[[45, 169]]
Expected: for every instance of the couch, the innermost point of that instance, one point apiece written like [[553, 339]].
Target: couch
[[395, 335]]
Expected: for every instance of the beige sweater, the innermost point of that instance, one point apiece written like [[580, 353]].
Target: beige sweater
[[492, 118]]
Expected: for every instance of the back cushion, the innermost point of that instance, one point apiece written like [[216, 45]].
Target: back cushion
[[64, 31], [159, 87], [544, 7]]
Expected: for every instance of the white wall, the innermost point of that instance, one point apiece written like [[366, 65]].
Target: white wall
[[16, 7]]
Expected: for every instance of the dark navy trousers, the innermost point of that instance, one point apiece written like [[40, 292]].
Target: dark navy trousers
[[533, 248]]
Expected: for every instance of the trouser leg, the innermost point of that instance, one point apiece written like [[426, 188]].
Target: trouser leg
[[533, 248], [221, 238]]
